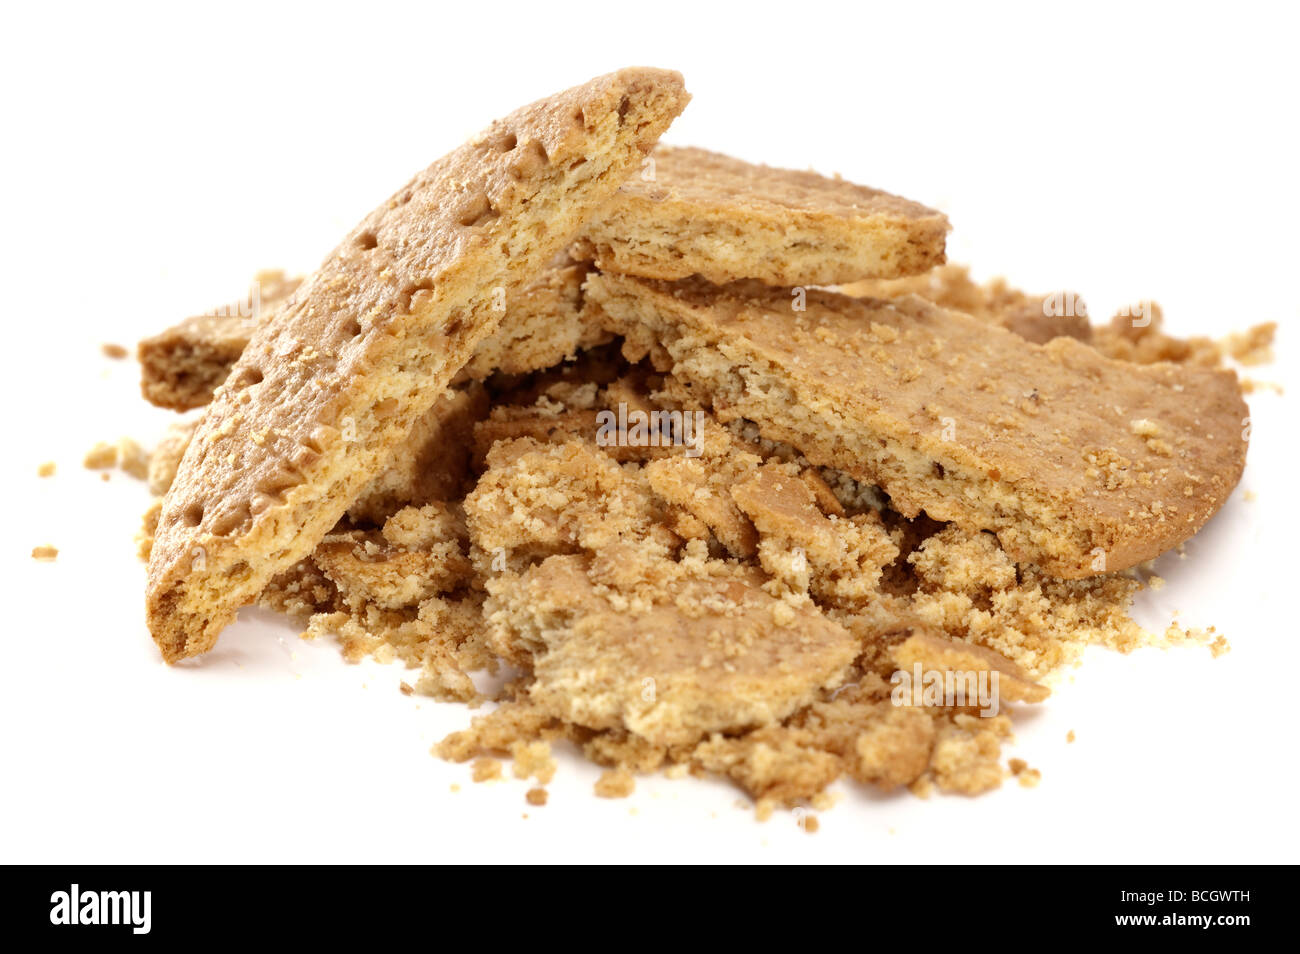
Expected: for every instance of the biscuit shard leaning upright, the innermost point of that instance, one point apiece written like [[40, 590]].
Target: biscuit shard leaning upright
[[335, 380]]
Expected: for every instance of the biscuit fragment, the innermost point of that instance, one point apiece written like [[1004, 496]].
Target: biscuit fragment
[[541, 326], [693, 212], [968, 423], [182, 366], [335, 381], [707, 650]]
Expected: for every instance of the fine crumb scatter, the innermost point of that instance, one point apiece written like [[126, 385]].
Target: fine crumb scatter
[[536, 796], [114, 351], [1030, 778], [810, 824], [46, 469], [46, 553], [1219, 646], [405, 688], [1070, 736], [485, 770]]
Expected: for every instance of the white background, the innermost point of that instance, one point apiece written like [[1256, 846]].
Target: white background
[[154, 158]]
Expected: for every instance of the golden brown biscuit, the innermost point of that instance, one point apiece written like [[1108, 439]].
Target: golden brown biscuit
[[703, 649], [182, 366], [1079, 463], [693, 212], [324, 392], [542, 326]]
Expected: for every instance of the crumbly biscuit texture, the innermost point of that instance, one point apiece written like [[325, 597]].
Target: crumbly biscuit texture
[[703, 649], [1036, 318], [1043, 445]]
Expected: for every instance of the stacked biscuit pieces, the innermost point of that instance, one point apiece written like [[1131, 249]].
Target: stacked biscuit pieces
[[591, 410]]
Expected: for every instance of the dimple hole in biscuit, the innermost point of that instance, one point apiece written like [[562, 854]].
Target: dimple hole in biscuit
[[231, 520], [529, 160], [410, 291], [476, 211], [367, 240], [246, 378], [193, 514], [275, 483]]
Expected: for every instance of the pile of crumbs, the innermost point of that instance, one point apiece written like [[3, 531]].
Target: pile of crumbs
[[545, 550]]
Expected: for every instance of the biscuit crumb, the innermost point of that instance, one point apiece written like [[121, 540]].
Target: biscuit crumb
[[533, 760], [405, 688], [101, 456], [615, 783], [46, 553], [1252, 346], [1219, 646], [1070, 736], [485, 770], [126, 454], [536, 796], [114, 351], [1030, 778]]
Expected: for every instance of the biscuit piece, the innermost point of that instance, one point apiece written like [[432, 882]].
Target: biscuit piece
[[692, 212], [542, 325], [1079, 463], [839, 558], [703, 650], [182, 366], [336, 380], [433, 463], [539, 499], [933, 652]]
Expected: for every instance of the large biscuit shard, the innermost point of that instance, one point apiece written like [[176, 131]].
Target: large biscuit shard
[[693, 212], [335, 380], [543, 324], [1079, 463], [706, 650]]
